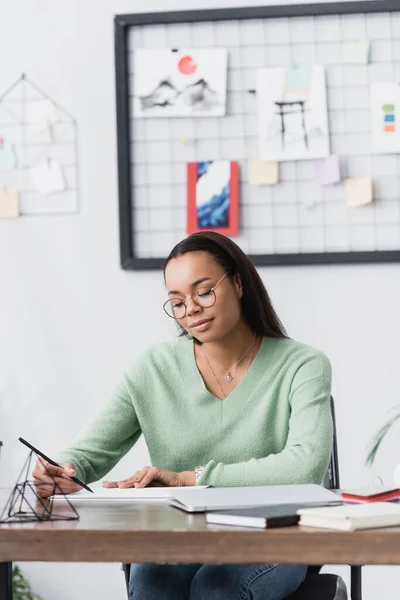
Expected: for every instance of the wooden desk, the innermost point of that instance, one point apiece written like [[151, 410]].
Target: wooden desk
[[155, 532]]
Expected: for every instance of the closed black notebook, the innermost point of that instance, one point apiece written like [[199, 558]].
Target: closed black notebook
[[259, 516]]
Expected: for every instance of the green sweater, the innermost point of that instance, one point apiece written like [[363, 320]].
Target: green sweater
[[275, 427]]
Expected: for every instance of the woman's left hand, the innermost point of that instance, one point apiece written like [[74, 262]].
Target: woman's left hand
[[154, 476]]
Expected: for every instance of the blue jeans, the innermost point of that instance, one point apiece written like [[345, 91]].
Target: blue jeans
[[214, 582]]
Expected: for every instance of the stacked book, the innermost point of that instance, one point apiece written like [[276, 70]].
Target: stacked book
[[363, 508]]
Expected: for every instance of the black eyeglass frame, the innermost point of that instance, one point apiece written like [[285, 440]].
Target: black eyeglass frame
[[185, 300]]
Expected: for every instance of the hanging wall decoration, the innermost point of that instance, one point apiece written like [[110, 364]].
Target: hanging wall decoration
[[38, 153], [213, 197], [181, 83], [292, 113]]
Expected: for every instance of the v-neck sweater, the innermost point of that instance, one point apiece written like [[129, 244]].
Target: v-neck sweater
[[275, 427]]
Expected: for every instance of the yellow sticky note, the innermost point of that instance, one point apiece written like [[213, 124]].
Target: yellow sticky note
[[262, 172], [9, 203], [358, 191], [356, 52]]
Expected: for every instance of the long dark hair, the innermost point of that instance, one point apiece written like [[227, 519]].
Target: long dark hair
[[257, 309]]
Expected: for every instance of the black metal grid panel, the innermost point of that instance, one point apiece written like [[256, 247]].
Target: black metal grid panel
[[276, 227]]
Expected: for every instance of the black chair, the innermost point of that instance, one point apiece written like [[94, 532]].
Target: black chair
[[316, 585], [327, 586]]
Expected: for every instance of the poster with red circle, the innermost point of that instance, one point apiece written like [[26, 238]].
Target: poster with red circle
[[184, 83]]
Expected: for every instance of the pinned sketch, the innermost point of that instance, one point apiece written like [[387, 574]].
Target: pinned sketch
[[8, 159], [385, 117], [213, 197], [356, 52], [9, 203], [359, 191], [41, 111], [47, 177], [41, 115], [262, 172], [327, 170], [292, 113], [184, 83]]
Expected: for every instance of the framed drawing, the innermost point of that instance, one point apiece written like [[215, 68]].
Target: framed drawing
[[213, 197]]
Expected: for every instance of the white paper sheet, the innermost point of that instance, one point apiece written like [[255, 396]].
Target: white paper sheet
[[118, 494], [292, 113], [8, 159], [190, 82], [40, 112], [385, 118], [47, 177]]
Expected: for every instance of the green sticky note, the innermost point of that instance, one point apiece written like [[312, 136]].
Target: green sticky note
[[356, 52], [298, 78], [388, 108]]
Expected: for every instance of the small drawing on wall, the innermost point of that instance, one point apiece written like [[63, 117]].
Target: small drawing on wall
[[213, 197], [180, 83], [292, 113], [9, 203], [385, 116], [47, 177], [8, 159], [41, 111]]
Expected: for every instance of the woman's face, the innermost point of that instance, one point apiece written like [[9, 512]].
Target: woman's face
[[199, 271]]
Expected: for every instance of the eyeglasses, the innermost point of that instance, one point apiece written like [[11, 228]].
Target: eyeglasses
[[204, 297]]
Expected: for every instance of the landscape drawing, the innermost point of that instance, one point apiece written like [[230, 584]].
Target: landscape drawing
[[182, 83], [292, 113]]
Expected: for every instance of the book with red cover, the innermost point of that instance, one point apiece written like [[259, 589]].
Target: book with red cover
[[371, 494]]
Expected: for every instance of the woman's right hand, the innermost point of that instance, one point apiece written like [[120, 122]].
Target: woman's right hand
[[44, 473]]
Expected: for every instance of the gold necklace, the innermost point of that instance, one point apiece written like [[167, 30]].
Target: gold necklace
[[228, 375], [216, 378]]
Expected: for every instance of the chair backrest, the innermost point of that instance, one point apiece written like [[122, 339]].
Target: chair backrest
[[331, 479]]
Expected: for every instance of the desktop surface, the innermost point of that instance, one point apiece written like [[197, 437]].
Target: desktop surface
[[156, 532]]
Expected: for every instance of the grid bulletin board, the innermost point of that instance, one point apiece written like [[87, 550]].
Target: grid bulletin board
[[276, 226]]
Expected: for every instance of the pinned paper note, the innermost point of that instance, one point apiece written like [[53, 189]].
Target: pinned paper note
[[8, 160], [9, 203], [356, 52], [48, 177], [42, 132], [41, 112], [309, 202], [385, 117], [298, 79], [263, 172], [327, 170], [292, 119], [359, 191]]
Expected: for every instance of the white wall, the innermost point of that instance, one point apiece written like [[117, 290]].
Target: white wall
[[71, 319]]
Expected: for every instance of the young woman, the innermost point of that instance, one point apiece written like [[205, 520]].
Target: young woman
[[232, 402]]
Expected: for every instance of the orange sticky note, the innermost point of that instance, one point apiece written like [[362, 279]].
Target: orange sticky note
[[263, 172], [358, 191], [9, 203]]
